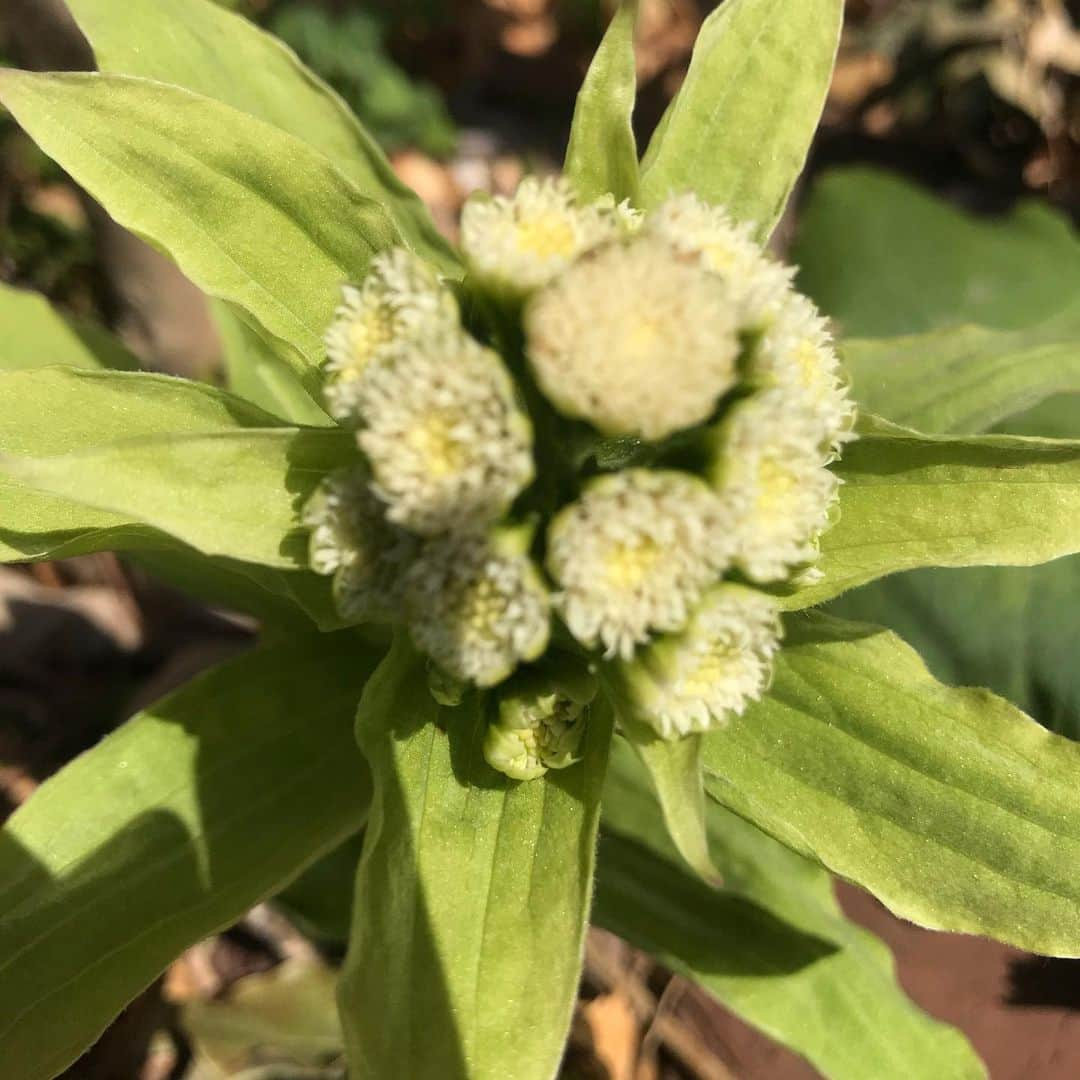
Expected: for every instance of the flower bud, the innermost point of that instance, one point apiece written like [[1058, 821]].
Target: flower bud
[[633, 554], [768, 468], [706, 234], [634, 340], [696, 680], [448, 444], [540, 723], [477, 605], [796, 356], [521, 242], [352, 540], [400, 299]]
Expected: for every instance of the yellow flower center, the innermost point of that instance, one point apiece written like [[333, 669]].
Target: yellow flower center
[[629, 564], [367, 333], [775, 484], [481, 605], [548, 236], [809, 361], [433, 439], [719, 257], [641, 337], [711, 669]]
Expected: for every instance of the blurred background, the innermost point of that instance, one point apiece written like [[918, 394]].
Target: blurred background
[[974, 101]]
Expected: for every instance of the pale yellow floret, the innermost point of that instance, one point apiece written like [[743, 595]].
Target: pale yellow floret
[[796, 356], [771, 473], [520, 242], [634, 340], [351, 540], [447, 442], [708, 235], [477, 605], [632, 555], [697, 680], [400, 299]]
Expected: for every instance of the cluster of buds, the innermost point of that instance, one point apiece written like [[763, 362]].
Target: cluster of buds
[[616, 434]]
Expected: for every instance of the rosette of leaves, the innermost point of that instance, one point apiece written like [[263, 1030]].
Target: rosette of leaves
[[474, 888]]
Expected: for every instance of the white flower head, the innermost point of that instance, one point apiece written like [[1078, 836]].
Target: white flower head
[[769, 469], [633, 554], [708, 235], [539, 726], [697, 680], [400, 299], [447, 441], [477, 605], [352, 540], [796, 355], [634, 339], [520, 242]]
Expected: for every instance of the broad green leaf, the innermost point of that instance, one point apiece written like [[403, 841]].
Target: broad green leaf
[[739, 130], [87, 410], [167, 831], [34, 334], [255, 370], [674, 767], [472, 894], [200, 47], [602, 155], [965, 379], [951, 806], [772, 945], [884, 258], [286, 600], [251, 214], [1011, 629], [235, 494], [910, 501]]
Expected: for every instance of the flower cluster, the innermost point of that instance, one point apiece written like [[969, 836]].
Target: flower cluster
[[614, 433]]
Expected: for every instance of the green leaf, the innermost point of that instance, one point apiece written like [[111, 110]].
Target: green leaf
[[739, 130], [674, 767], [910, 500], [34, 334], [952, 807], [602, 155], [472, 894], [202, 48], [167, 831], [88, 410], [255, 370], [1009, 629], [772, 945], [235, 494], [1013, 630], [251, 215], [277, 598], [965, 379], [884, 258]]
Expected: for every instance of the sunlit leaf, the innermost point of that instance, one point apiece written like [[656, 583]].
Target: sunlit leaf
[[952, 807], [602, 156], [252, 215], [198, 46], [740, 127], [472, 895], [168, 831]]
